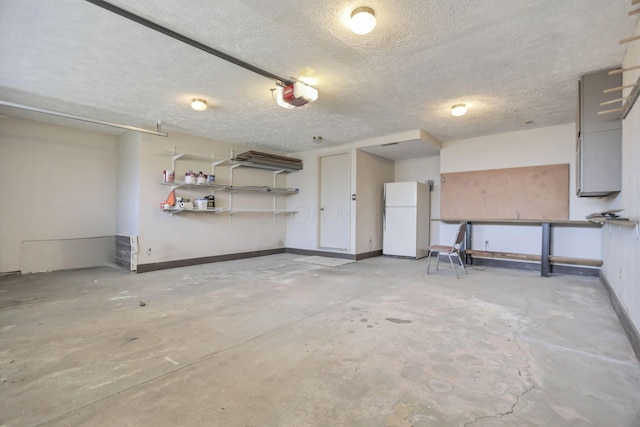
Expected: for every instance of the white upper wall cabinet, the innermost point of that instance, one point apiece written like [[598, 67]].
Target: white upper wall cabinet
[[599, 136]]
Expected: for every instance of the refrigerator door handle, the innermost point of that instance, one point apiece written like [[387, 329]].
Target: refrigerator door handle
[[384, 208]]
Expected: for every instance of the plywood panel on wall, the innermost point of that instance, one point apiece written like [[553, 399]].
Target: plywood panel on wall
[[534, 192]]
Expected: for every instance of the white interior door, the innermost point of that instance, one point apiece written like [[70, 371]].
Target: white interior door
[[335, 201]]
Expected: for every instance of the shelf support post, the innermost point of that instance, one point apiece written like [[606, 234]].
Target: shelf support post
[[175, 156], [275, 198]]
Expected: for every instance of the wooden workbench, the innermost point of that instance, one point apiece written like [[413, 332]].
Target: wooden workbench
[[545, 258]]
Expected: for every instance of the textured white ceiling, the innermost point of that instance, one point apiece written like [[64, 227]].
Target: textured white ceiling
[[510, 61]]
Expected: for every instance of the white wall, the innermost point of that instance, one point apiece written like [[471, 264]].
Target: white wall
[[302, 228], [541, 146], [58, 197], [128, 208], [621, 246], [371, 174], [423, 169], [163, 237]]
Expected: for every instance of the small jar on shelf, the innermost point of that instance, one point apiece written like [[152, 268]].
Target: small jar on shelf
[[190, 177], [168, 176], [201, 178]]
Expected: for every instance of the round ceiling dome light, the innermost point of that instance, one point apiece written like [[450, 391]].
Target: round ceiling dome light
[[459, 110], [363, 20], [199, 104]]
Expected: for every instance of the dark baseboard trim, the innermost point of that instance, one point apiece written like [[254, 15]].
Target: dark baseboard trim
[[629, 328], [366, 255], [144, 268], [533, 266], [575, 271], [9, 274], [484, 262], [501, 263], [320, 253]]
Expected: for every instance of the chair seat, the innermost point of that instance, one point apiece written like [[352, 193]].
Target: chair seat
[[440, 248]]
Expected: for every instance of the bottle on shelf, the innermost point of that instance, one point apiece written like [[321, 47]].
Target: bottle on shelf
[[171, 200]]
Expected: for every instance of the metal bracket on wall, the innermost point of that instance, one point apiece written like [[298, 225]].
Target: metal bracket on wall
[[633, 96], [631, 99], [626, 223]]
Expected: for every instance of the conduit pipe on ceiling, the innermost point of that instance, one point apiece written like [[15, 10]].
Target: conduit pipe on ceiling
[[85, 119], [184, 39]]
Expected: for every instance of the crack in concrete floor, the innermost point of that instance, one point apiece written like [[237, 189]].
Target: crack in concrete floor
[[501, 414]]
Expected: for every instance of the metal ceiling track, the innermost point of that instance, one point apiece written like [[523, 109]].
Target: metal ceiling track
[[184, 39], [85, 119]]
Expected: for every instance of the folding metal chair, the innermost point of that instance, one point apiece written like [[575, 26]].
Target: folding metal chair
[[449, 250]]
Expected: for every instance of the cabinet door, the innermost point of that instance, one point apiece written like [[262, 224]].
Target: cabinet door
[[591, 95], [600, 163]]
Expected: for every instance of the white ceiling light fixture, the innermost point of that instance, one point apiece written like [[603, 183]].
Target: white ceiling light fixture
[[363, 20], [459, 110], [199, 104]]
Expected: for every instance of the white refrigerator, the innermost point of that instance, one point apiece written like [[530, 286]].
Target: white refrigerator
[[406, 219]]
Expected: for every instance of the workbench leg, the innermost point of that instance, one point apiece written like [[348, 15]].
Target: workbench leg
[[546, 249], [467, 245]]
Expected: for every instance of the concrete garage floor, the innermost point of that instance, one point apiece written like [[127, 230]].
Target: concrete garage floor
[[273, 341]]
